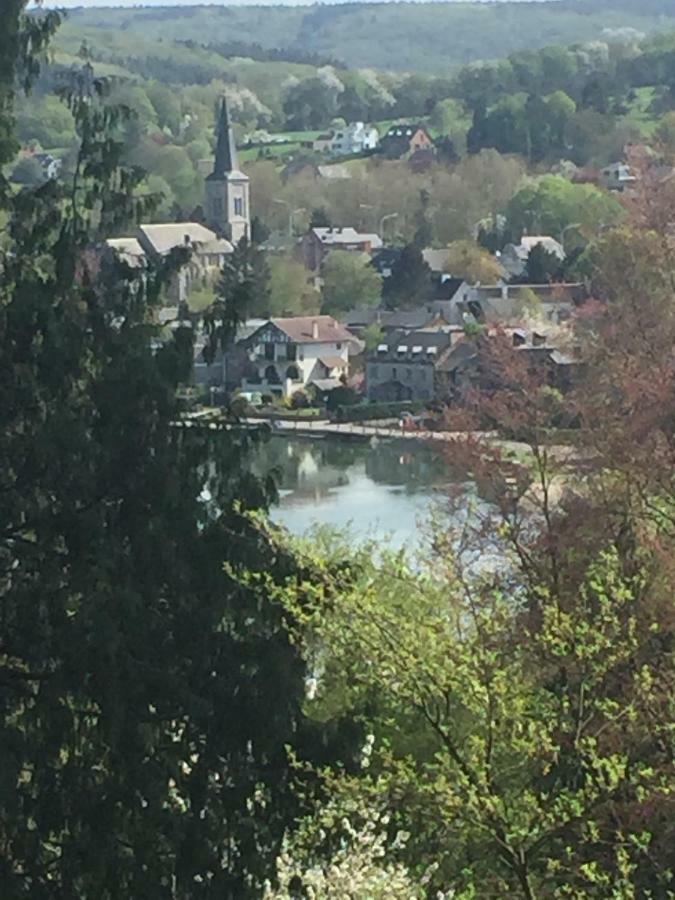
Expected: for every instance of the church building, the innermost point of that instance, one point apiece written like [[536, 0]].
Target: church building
[[227, 217], [226, 201]]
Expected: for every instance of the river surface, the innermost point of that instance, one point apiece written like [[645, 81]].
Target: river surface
[[382, 490]]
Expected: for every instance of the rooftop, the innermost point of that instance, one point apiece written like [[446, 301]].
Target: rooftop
[[347, 235], [310, 329], [129, 250], [163, 238]]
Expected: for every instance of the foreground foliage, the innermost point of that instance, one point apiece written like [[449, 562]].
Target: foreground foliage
[[146, 700]]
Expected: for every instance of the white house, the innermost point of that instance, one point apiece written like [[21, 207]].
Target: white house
[[288, 355], [354, 138]]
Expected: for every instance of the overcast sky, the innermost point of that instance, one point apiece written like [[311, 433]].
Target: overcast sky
[[73, 4]]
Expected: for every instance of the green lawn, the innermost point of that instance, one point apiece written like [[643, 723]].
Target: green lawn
[[639, 114]]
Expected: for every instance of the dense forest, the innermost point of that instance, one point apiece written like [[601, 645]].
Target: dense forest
[[416, 37]]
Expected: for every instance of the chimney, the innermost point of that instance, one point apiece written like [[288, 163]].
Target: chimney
[[315, 330]]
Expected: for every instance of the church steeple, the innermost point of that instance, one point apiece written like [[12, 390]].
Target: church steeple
[[226, 151], [227, 188]]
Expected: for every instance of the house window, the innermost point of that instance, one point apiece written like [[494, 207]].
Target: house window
[[393, 371], [238, 206], [291, 352], [269, 351], [408, 374], [338, 346], [373, 371]]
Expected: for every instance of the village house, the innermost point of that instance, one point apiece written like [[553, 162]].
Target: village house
[[354, 138], [469, 363], [405, 139], [403, 365], [287, 355], [388, 320], [314, 246], [617, 177], [51, 165], [322, 143]]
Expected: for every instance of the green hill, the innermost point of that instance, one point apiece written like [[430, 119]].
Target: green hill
[[422, 37]]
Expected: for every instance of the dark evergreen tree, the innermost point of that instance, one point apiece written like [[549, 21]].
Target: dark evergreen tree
[[409, 284], [543, 266], [147, 691], [243, 290], [320, 218]]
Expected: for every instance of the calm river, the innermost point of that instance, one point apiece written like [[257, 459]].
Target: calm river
[[384, 490]]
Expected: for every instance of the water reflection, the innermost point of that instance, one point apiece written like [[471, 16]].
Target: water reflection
[[379, 490]]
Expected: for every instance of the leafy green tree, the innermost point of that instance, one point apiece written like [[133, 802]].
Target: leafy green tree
[[166, 105], [290, 293], [468, 260], [311, 103], [45, 120], [553, 203], [349, 282], [372, 336]]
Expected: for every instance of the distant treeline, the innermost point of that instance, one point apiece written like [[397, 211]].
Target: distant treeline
[[232, 49]]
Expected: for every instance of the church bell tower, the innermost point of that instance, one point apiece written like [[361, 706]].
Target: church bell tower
[[227, 188]]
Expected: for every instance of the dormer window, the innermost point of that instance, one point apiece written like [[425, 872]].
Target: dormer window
[[382, 348], [402, 348], [416, 350], [432, 351]]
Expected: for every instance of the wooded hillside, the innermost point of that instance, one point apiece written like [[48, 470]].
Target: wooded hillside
[[424, 37]]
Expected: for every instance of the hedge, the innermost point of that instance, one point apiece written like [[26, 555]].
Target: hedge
[[365, 411]]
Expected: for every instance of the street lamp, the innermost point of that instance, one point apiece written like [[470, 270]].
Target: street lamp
[[365, 206], [291, 213], [386, 219]]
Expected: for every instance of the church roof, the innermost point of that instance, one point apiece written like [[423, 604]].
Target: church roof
[[163, 238], [226, 151]]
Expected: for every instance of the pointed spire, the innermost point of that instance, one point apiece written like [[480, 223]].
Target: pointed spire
[[226, 151]]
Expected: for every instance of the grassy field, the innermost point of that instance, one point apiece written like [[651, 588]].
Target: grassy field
[[640, 115]]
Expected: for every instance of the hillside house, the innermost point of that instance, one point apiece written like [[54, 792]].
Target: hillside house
[[314, 246], [323, 142], [617, 177], [405, 139], [287, 355], [354, 138]]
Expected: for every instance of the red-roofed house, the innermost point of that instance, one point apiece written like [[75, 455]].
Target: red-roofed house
[[288, 355]]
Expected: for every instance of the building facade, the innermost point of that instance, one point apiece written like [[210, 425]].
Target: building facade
[[355, 138], [403, 366], [314, 246], [288, 355], [227, 189]]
